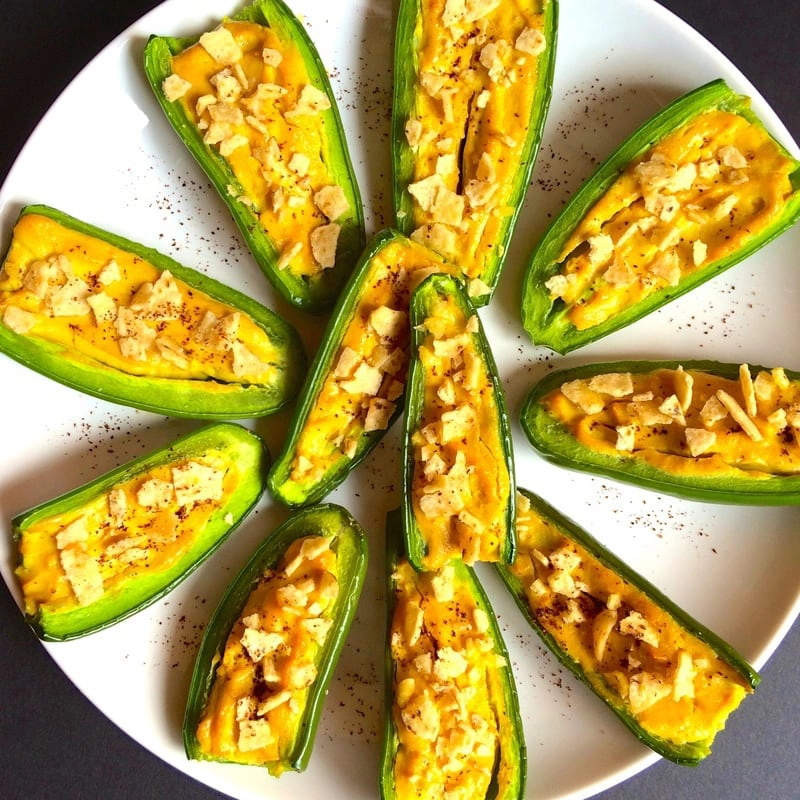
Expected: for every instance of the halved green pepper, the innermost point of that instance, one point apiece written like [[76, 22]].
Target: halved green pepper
[[252, 102], [458, 468], [104, 551], [472, 87], [125, 323], [703, 430], [355, 386], [668, 678], [696, 189], [452, 720], [271, 647]]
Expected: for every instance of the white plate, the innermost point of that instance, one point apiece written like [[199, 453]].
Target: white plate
[[105, 153]]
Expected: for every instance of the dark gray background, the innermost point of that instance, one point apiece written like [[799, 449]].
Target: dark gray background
[[54, 744]]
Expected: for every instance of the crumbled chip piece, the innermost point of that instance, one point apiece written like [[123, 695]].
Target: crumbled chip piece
[[379, 413], [311, 101], [155, 493], [103, 306], [699, 441], [531, 41], [616, 384], [221, 45], [601, 249], [254, 734], [683, 680], [413, 130], [74, 533], [271, 57], [299, 164], [634, 624], [699, 252], [288, 254], [559, 285], [730, 156], [70, 299], [258, 644], [602, 627], [667, 266], [626, 437], [247, 365], [578, 392], [195, 482], [671, 406], [748, 390], [332, 201], [739, 415], [323, 241], [712, 412], [684, 383], [388, 322], [83, 573], [425, 191], [645, 690], [175, 87], [18, 319]]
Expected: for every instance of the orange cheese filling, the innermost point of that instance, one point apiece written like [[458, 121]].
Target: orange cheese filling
[[142, 526], [460, 486], [262, 682], [250, 95], [444, 682], [686, 421], [111, 307], [631, 650], [477, 74], [696, 197]]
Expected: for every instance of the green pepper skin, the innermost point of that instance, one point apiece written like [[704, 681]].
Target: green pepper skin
[[512, 751], [687, 754], [280, 483], [557, 445], [544, 319], [239, 445], [350, 545], [193, 399], [403, 157], [319, 293], [424, 295]]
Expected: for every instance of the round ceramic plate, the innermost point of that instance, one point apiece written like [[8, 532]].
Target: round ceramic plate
[[106, 154]]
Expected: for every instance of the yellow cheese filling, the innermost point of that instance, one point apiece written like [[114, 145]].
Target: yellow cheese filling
[[111, 307], [477, 73], [631, 650], [142, 526], [460, 486], [686, 421], [360, 393], [250, 95], [444, 681], [262, 681], [696, 197]]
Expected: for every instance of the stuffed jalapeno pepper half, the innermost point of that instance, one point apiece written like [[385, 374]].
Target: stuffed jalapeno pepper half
[[673, 682], [696, 189], [354, 389], [699, 429], [471, 93], [458, 469], [269, 652], [252, 102], [452, 723], [102, 552], [127, 324]]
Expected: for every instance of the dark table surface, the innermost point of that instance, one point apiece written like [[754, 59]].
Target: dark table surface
[[55, 744]]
